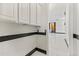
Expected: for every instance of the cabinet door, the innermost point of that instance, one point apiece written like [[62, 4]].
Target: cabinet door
[[24, 13], [33, 14], [39, 14], [8, 11], [61, 44]]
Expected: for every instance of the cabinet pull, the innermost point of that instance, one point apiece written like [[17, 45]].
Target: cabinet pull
[[66, 43]]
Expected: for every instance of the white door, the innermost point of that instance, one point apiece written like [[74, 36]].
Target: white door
[[59, 40], [24, 13], [8, 11], [76, 30], [33, 13]]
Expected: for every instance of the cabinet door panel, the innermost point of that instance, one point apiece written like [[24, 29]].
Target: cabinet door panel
[[8, 11], [61, 45], [33, 13], [24, 13], [39, 14]]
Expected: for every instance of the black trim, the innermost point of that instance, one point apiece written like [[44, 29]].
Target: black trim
[[41, 50], [76, 36], [11, 37], [36, 49], [31, 52], [66, 43], [41, 33]]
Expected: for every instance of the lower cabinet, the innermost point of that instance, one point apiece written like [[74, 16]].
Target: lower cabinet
[[58, 45], [18, 47], [61, 45]]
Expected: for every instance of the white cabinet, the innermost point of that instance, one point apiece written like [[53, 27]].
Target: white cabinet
[[59, 41], [61, 44], [39, 14], [58, 45], [24, 13], [8, 11], [29, 14], [33, 14]]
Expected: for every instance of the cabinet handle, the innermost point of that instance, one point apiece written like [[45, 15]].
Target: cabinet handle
[[66, 43]]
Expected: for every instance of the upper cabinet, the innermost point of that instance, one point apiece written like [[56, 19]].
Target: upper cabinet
[[29, 13], [39, 14], [8, 11], [33, 14], [24, 13]]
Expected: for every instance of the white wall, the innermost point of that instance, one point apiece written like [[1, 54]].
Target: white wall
[[42, 42], [42, 39], [76, 29], [20, 46]]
